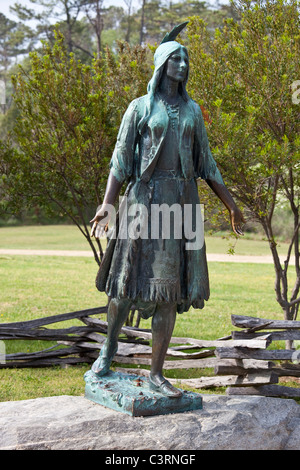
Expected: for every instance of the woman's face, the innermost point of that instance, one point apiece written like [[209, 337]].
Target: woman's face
[[177, 66]]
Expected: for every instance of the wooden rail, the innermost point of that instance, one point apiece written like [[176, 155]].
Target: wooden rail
[[242, 362]]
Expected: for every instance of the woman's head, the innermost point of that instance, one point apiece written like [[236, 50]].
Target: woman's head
[[170, 57]]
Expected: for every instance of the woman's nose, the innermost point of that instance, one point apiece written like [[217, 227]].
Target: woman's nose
[[183, 65]]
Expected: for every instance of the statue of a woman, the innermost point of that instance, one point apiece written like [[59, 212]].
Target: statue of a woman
[[161, 150]]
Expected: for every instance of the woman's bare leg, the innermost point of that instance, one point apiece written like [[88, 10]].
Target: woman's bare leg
[[163, 322], [118, 310]]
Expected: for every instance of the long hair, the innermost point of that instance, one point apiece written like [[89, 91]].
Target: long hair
[[162, 54]]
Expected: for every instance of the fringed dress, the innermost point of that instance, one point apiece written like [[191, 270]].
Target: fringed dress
[[161, 166]]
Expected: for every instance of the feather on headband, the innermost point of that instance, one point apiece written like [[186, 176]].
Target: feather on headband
[[172, 35]]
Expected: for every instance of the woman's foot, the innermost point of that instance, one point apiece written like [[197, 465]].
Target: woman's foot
[[163, 386], [102, 364]]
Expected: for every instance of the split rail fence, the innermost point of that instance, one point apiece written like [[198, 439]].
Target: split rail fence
[[242, 362], [258, 371]]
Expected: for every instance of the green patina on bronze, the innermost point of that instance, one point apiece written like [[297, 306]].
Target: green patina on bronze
[[162, 149], [130, 394], [160, 152]]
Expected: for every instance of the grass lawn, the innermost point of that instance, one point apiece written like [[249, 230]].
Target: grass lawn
[[43, 237], [33, 287], [68, 237]]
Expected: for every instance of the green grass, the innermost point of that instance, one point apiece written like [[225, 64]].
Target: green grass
[[68, 237], [41, 237], [23, 384], [33, 287], [243, 246]]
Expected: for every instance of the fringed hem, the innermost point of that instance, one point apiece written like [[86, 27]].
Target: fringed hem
[[155, 291], [148, 290]]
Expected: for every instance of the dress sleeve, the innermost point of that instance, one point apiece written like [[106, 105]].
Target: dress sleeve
[[204, 164], [121, 164]]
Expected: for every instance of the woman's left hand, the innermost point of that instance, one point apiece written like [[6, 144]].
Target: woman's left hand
[[237, 220]]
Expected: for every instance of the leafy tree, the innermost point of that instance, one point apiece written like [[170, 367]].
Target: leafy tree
[[57, 14], [96, 21], [15, 40], [243, 76], [69, 115], [155, 17], [90, 24]]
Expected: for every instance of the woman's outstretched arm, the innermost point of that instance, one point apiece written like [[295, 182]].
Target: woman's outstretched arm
[[113, 188], [236, 216]]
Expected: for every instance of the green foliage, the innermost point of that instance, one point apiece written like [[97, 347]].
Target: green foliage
[[8, 178], [89, 25], [14, 40], [242, 76], [70, 112], [69, 115]]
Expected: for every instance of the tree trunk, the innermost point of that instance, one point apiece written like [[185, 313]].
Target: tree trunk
[[128, 32], [142, 23], [99, 26], [69, 30], [290, 307]]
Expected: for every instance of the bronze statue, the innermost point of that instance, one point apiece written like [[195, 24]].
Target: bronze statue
[[161, 150]]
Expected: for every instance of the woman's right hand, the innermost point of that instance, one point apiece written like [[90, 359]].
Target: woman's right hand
[[100, 221]]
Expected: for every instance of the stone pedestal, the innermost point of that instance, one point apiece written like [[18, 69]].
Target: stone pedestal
[[131, 394], [224, 423]]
